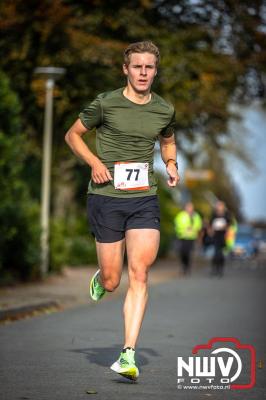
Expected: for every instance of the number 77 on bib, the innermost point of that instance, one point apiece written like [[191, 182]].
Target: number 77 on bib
[[131, 176]]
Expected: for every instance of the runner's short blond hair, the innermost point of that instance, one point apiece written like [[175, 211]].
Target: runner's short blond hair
[[141, 47]]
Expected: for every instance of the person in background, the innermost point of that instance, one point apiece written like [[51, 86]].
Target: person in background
[[188, 224], [230, 237], [219, 223]]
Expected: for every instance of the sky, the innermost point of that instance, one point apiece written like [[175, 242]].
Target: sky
[[251, 184]]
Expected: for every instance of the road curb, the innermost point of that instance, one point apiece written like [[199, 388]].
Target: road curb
[[15, 313]]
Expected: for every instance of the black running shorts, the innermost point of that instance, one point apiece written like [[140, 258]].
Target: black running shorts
[[110, 217]]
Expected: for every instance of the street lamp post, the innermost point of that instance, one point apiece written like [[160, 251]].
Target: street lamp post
[[50, 74]]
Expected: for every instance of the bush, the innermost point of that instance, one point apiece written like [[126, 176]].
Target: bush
[[168, 210], [71, 243], [19, 214]]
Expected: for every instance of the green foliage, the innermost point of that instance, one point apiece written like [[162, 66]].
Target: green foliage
[[19, 230], [71, 243], [168, 211]]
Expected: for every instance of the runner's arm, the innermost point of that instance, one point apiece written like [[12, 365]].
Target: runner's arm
[[73, 137], [168, 152]]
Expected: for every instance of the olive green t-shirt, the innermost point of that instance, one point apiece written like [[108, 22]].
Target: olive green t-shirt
[[127, 132]]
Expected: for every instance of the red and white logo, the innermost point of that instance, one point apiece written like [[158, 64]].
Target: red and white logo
[[222, 363]]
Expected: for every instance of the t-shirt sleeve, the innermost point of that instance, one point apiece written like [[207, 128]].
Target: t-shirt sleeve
[[170, 128], [92, 115]]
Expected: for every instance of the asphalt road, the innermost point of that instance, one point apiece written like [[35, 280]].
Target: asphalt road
[[63, 355]]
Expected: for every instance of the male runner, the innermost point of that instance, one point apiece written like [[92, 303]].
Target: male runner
[[123, 208]]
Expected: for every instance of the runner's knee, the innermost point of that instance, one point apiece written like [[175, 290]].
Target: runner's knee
[[138, 274], [110, 283]]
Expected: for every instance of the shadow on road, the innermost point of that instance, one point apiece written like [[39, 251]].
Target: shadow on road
[[105, 356]]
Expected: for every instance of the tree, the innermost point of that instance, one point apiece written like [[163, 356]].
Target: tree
[[18, 213], [213, 54]]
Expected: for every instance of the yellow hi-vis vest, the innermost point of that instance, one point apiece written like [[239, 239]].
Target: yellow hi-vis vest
[[186, 226], [230, 236]]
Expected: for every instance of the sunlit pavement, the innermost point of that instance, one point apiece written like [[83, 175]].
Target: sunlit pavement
[[67, 355]]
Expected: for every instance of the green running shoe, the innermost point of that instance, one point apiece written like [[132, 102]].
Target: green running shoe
[[96, 289], [126, 365]]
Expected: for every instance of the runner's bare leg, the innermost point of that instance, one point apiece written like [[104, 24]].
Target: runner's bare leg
[[110, 259], [142, 248]]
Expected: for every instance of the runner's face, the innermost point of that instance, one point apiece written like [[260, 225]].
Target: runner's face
[[141, 71]]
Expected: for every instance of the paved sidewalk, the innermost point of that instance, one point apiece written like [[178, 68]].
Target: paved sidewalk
[[66, 290]]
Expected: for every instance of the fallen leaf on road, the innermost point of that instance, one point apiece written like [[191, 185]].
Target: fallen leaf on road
[[91, 391]]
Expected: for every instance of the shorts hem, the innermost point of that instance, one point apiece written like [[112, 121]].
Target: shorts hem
[[143, 227]]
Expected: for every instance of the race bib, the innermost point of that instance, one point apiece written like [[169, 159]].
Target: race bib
[[131, 176], [219, 224]]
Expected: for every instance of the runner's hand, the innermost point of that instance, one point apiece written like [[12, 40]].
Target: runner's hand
[[173, 175], [99, 173]]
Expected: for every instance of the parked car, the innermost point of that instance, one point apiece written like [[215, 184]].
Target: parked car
[[246, 244], [260, 235]]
